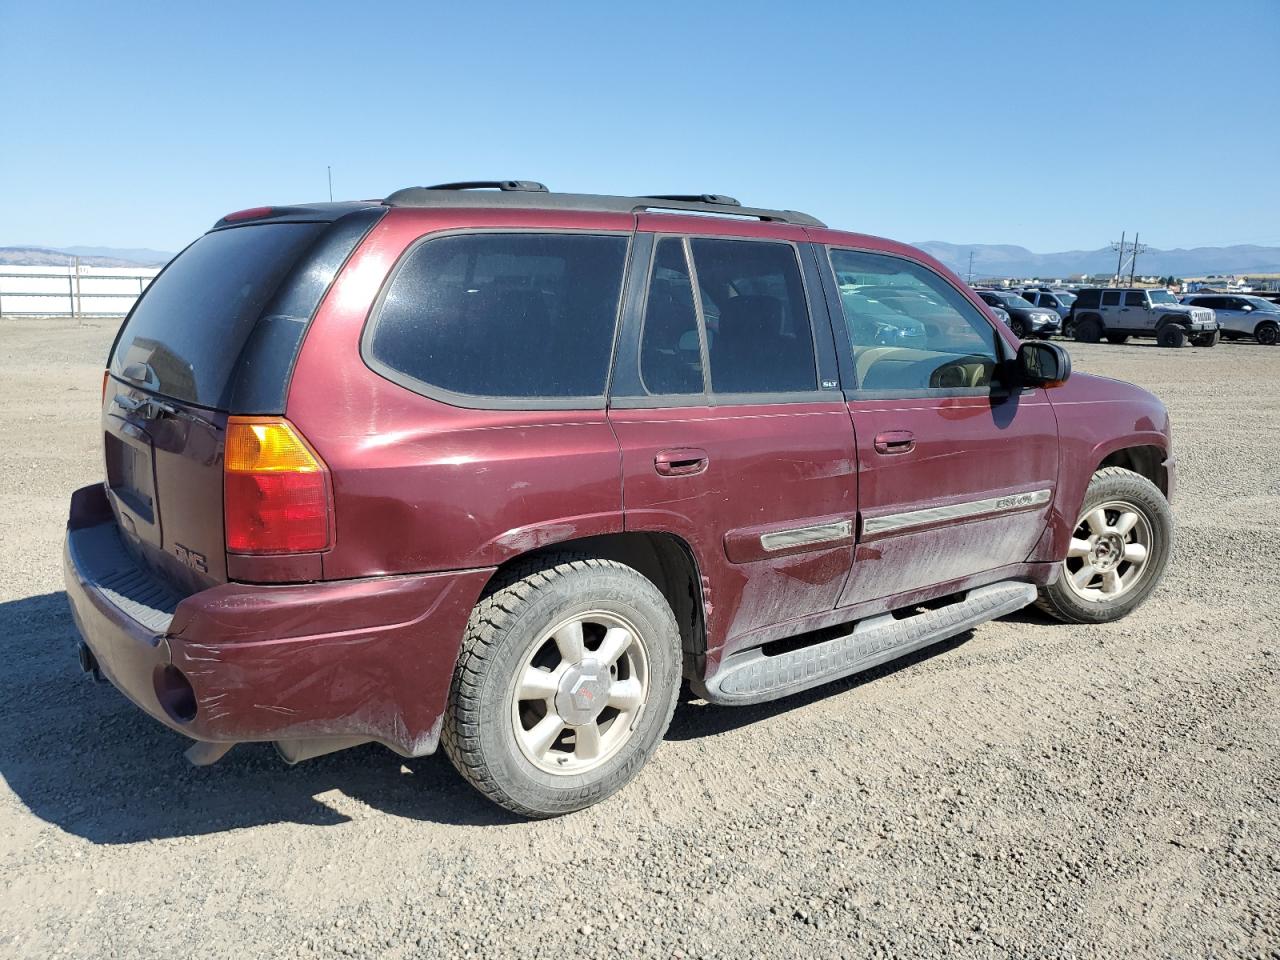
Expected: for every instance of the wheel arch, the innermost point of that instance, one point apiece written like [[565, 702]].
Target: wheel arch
[[1264, 323], [1146, 460], [665, 559]]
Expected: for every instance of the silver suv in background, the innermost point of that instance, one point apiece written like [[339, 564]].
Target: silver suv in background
[[1241, 316], [1118, 313]]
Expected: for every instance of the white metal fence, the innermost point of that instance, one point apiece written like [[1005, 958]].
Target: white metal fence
[[71, 291]]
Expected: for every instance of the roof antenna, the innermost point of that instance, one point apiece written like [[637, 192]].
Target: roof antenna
[[330, 169]]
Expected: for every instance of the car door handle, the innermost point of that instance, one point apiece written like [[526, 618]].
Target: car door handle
[[895, 441], [683, 462]]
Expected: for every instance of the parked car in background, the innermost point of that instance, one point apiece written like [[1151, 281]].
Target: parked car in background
[[1241, 315], [1059, 301], [1118, 313], [1025, 319], [1001, 314], [543, 494]]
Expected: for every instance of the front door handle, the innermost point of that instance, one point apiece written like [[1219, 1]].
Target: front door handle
[[895, 441], [683, 462]]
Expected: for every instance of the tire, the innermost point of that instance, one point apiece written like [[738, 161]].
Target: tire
[[1207, 340], [1019, 329], [1116, 492], [1089, 330], [509, 637], [1117, 338], [1171, 336], [1267, 333]]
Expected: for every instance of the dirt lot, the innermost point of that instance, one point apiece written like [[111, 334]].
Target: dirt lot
[[1026, 790]]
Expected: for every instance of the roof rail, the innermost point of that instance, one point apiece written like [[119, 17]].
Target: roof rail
[[528, 194], [719, 199], [522, 186]]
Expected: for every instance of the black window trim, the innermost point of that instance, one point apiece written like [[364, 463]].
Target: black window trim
[[848, 372], [467, 401], [634, 318]]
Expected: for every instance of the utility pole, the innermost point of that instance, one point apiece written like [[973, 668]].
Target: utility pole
[[1133, 266], [1120, 256], [971, 268], [330, 169]]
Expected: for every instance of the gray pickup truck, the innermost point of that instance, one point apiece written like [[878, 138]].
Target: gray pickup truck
[[1118, 313]]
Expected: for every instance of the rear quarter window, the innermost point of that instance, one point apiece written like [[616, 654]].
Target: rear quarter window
[[512, 319]]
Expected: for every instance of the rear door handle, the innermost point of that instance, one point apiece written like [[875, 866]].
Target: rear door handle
[[683, 462], [895, 441]]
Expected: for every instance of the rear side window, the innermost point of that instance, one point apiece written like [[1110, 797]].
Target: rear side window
[[670, 348], [186, 334], [1088, 298], [507, 317], [757, 320]]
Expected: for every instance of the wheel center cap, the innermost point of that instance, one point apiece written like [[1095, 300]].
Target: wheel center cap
[[583, 693], [1107, 552]]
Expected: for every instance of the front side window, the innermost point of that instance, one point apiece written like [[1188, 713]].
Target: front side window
[[1132, 299], [952, 345], [502, 316], [757, 319]]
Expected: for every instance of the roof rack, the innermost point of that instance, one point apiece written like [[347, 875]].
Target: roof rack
[[529, 194]]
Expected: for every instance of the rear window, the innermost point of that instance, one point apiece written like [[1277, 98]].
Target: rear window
[[506, 317], [191, 325]]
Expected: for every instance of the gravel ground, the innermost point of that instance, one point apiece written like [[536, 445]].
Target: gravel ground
[[1027, 790]]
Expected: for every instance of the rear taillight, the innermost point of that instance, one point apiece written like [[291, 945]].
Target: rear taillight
[[275, 489]]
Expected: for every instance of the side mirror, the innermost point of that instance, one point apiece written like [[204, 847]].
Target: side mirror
[[1246, 307], [1042, 364]]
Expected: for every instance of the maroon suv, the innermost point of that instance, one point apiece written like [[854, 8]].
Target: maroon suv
[[498, 467]]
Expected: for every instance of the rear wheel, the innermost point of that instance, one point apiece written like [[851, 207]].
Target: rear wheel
[[1118, 550], [1088, 330], [1171, 336], [1267, 332], [566, 682], [1117, 338]]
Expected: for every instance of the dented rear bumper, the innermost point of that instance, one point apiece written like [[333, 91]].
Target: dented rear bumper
[[340, 660]]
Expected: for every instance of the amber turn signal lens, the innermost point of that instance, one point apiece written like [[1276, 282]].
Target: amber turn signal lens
[[266, 446]]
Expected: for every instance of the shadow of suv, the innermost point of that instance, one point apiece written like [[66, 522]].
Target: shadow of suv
[[492, 468]]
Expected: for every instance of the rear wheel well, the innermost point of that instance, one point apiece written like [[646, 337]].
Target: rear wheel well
[[666, 560], [1147, 461]]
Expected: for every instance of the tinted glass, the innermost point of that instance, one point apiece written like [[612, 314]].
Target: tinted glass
[[504, 315], [1132, 299], [1088, 298], [758, 334], [1111, 298], [193, 321], [954, 345], [670, 351]]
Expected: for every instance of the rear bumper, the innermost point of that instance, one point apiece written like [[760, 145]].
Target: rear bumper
[[369, 659]]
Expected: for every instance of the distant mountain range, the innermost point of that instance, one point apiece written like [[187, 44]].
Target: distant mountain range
[[989, 259], [1000, 260], [89, 256]]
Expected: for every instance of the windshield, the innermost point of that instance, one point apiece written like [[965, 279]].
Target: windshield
[[1162, 296], [1015, 301], [1066, 299], [1260, 304]]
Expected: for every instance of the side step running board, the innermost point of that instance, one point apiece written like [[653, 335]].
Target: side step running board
[[753, 677]]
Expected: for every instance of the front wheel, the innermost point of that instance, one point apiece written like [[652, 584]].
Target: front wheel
[[1118, 551], [1019, 329], [567, 680], [1206, 339], [1171, 336], [1267, 333]]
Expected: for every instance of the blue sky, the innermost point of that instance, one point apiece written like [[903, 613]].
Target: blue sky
[[1049, 125]]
